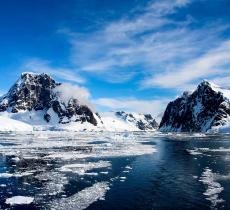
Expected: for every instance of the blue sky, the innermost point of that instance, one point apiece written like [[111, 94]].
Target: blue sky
[[133, 55]]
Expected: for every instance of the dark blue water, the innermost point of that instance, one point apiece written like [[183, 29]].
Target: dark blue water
[[170, 178]]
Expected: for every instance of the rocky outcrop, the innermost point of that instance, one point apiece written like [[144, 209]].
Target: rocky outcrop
[[206, 107]]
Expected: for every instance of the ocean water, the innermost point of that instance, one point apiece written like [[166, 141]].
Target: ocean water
[[58, 170]]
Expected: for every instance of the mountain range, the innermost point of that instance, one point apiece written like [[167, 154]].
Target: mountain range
[[37, 100]]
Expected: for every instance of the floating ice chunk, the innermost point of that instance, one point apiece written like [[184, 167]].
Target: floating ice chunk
[[8, 175], [123, 177], [54, 182], [200, 151], [104, 172], [221, 149], [193, 152], [214, 188], [16, 159], [5, 175], [82, 168], [82, 199], [19, 200], [91, 174]]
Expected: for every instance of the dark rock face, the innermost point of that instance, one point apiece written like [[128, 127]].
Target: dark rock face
[[35, 92], [142, 121], [30, 92], [196, 112]]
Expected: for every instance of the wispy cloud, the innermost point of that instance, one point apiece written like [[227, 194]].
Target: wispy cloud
[[152, 40], [39, 66], [122, 44], [222, 81], [161, 8], [212, 63]]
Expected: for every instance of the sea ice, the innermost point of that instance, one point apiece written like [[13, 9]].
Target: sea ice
[[51, 155], [214, 188], [19, 200], [82, 199], [82, 168]]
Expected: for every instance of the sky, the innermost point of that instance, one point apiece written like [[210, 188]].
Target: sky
[[132, 55]]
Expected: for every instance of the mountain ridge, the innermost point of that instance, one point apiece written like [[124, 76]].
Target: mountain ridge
[[36, 92], [206, 107], [36, 99]]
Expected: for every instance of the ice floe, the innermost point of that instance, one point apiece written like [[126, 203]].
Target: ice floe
[[213, 188], [54, 182], [82, 168], [205, 151], [8, 175], [19, 200], [82, 199]]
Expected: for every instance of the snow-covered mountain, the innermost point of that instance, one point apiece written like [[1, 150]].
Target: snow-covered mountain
[[118, 121], [36, 99], [208, 107], [141, 121], [40, 102]]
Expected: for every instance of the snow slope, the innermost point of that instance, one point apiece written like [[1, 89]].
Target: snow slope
[[108, 121], [113, 123], [7, 124], [33, 120], [122, 121]]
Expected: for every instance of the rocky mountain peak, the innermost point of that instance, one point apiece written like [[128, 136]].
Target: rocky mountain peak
[[205, 83], [43, 79], [33, 92], [198, 111]]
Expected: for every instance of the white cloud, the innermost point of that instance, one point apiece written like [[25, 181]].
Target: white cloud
[[222, 81], [68, 91], [39, 66], [151, 40], [165, 7], [210, 64], [154, 107], [120, 45]]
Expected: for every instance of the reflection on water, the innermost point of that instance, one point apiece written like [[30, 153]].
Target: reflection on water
[[115, 171]]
